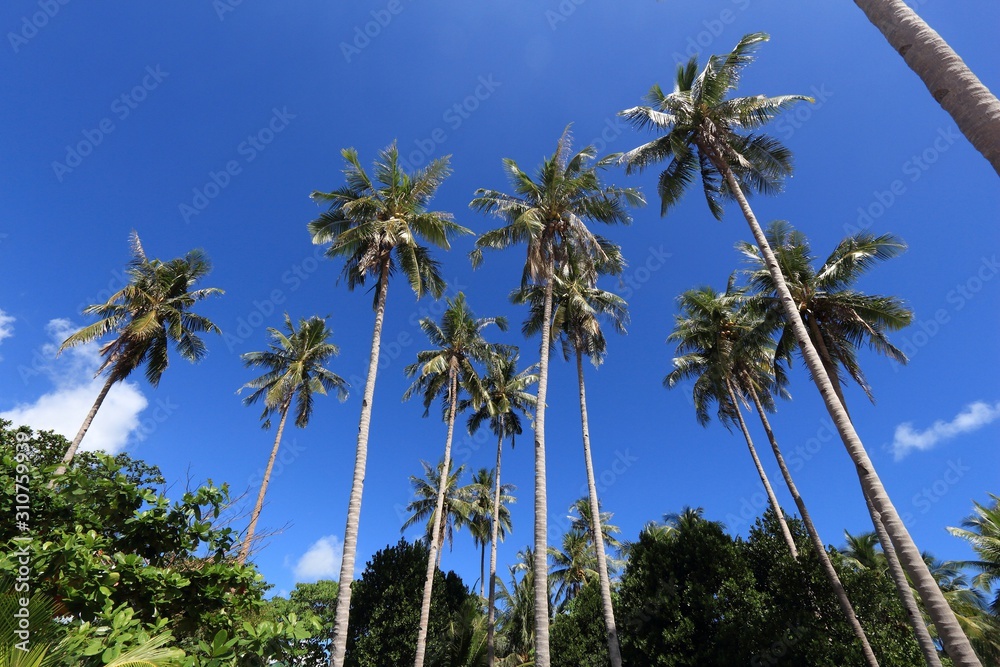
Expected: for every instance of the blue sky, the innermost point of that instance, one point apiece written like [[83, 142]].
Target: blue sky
[[207, 125]]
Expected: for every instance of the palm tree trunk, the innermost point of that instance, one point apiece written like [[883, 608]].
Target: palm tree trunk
[[71, 452], [824, 557], [903, 590], [956, 643], [482, 570], [495, 535], [425, 606], [541, 581], [971, 105], [248, 539], [357, 485], [779, 515], [595, 526]]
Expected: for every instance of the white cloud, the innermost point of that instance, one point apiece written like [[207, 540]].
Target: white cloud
[[321, 561], [64, 409], [972, 418], [6, 326]]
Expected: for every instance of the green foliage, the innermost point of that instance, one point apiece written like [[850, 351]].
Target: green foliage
[[385, 609], [122, 563], [578, 637]]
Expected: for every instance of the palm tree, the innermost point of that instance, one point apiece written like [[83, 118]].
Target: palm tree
[[152, 310], [709, 134], [507, 399], [718, 345], [838, 318], [294, 371], [982, 531], [581, 518], [953, 85], [456, 512], [442, 372], [573, 566], [376, 227], [549, 214], [481, 515], [579, 305], [517, 617]]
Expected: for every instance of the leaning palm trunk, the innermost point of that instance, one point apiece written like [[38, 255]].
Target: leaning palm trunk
[[595, 527], [248, 539], [971, 105], [541, 576], [425, 606], [357, 485], [88, 420], [956, 643], [824, 557], [778, 514], [903, 590], [494, 536]]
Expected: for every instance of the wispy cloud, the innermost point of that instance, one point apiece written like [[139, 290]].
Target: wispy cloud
[[972, 418], [321, 561], [75, 390], [6, 326]]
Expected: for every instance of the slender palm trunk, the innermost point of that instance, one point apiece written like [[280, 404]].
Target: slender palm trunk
[[595, 526], [541, 581], [87, 421], [956, 643], [903, 590], [971, 105], [824, 557], [342, 614], [779, 515], [482, 569], [495, 535], [425, 606], [248, 539]]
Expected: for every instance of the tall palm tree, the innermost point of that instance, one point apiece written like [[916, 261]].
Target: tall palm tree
[[146, 315], [376, 227], [579, 306], [481, 521], [549, 213], [456, 509], [982, 531], [294, 371], [442, 372], [718, 345], [707, 133], [581, 518], [506, 399], [838, 319], [953, 85]]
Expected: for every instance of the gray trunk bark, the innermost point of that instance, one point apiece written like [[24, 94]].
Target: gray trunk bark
[[248, 539], [824, 557], [87, 421], [541, 510], [357, 485], [495, 528], [425, 606], [956, 643], [595, 527], [971, 105]]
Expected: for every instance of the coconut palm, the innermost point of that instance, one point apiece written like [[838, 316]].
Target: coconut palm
[[456, 512], [719, 346], [953, 85], [517, 616], [506, 399], [145, 316], [982, 531], [581, 518], [294, 371], [579, 306], [481, 515], [572, 566], [838, 319], [549, 213], [376, 227], [442, 372], [707, 133]]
